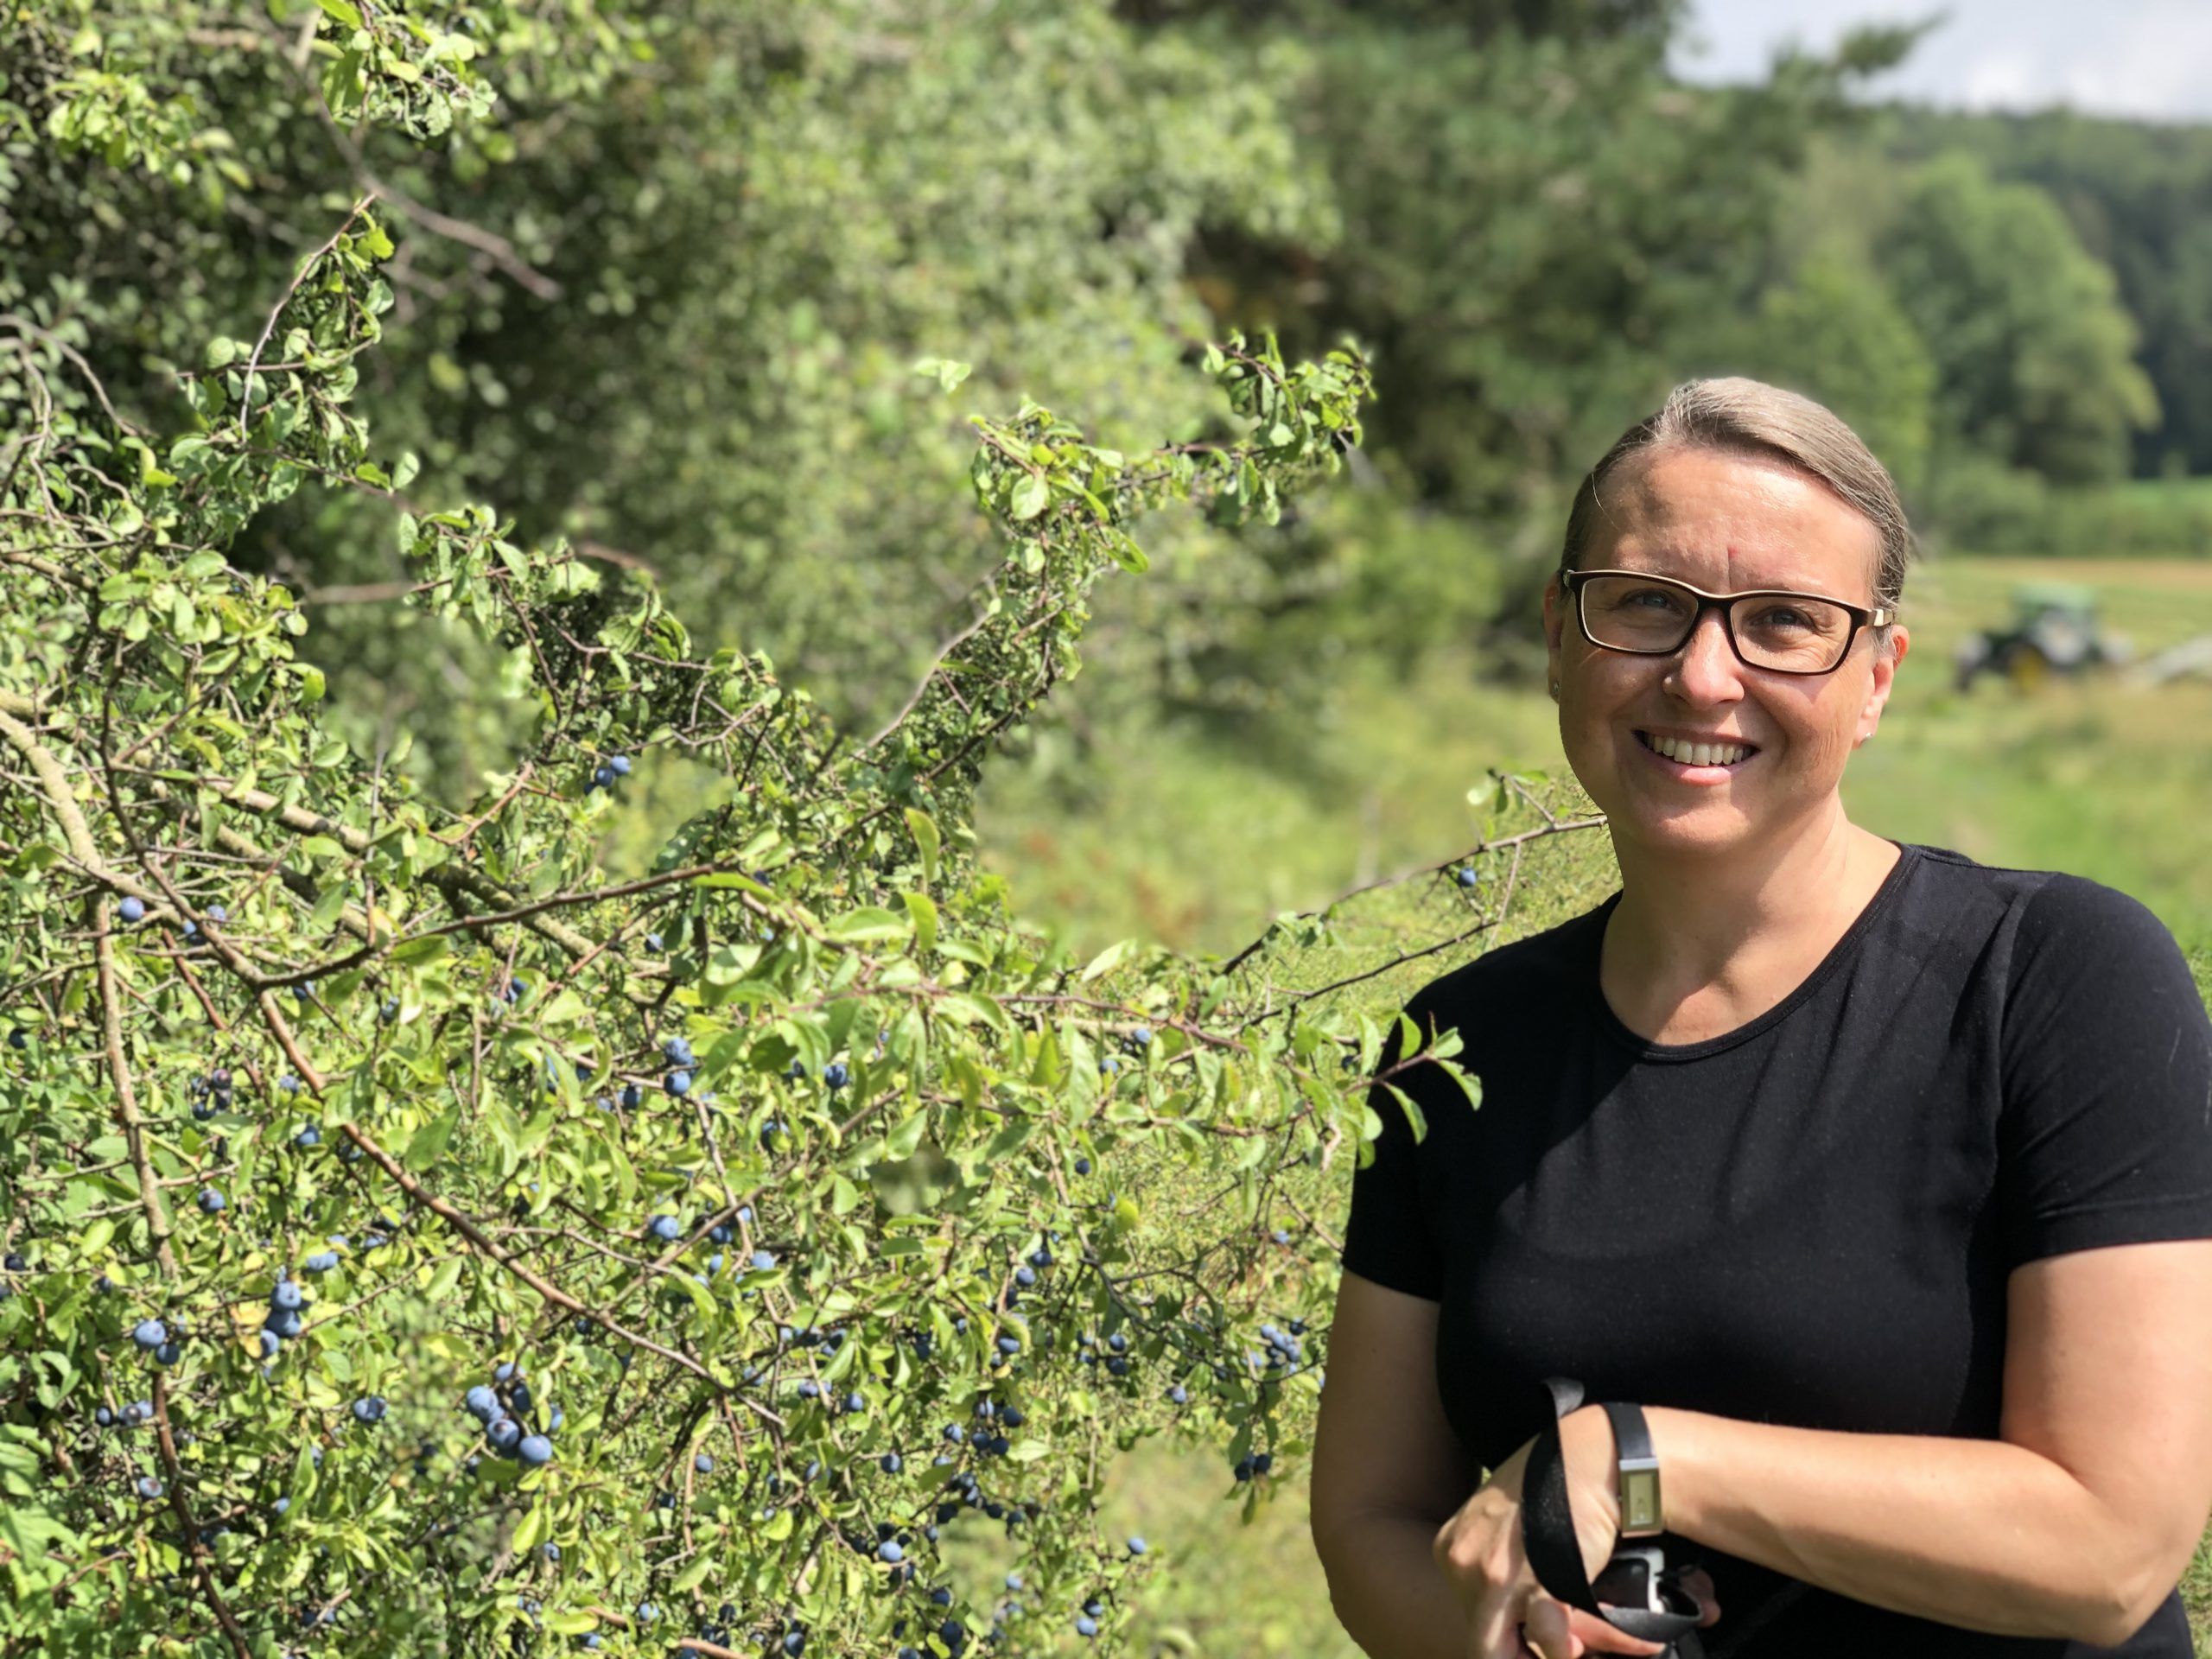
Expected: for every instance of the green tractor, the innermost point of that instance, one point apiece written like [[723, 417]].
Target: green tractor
[[2054, 631]]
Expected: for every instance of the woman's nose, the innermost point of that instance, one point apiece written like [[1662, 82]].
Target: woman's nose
[[1706, 666]]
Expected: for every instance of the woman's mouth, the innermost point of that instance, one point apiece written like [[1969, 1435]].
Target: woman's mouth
[[1696, 762]]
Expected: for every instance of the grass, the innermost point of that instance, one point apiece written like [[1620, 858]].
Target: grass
[[1197, 845], [2093, 776]]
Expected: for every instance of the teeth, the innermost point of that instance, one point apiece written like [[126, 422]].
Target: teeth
[[1699, 754]]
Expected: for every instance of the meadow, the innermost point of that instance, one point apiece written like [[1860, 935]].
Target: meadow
[[1198, 845], [1197, 842]]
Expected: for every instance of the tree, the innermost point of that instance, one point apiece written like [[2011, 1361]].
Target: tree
[[1834, 332], [1540, 236], [2033, 352], [665, 291], [2136, 194]]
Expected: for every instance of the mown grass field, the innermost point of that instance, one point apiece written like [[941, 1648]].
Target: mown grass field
[[1197, 846]]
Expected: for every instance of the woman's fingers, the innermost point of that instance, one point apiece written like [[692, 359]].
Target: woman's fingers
[[1495, 1631], [1558, 1632], [1699, 1583]]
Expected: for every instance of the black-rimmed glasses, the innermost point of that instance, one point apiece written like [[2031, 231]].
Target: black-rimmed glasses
[[1767, 628]]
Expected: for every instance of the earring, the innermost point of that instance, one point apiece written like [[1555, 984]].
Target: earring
[[1554, 688]]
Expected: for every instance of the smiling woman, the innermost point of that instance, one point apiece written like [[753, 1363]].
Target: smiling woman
[[1864, 1190]]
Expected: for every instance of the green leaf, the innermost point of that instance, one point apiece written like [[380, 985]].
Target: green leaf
[[696, 1574], [1414, 1116], [531, 1532], [949, 373], [863, 925], [1009, 1139], [443, 1281], [968, 1008], [1470, 1084], [923, 828], [924, 913], [1031, 497], [902, 1140], [344, 10], [330, 907], [1109, 959], [428, 1144], [1127, 553]]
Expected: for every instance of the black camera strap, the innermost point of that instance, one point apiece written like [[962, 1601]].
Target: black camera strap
[[1554, 1551]]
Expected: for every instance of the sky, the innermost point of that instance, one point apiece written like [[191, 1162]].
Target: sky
[[2147, 58]]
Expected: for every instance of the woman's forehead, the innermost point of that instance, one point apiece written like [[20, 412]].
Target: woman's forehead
[[1729, 523]]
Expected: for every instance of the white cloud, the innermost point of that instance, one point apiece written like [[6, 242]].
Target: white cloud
[[2150, 59]]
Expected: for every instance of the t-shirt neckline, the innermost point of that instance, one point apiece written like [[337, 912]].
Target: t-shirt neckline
[[1608, 1022]]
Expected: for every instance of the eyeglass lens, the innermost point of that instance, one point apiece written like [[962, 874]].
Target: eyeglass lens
[[1791, 632]]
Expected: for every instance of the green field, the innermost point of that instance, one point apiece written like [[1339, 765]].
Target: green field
[[1198, 845], [2095, 777], [1195, 844]]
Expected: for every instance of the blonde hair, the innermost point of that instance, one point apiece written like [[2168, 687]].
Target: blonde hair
[[1741, 416]]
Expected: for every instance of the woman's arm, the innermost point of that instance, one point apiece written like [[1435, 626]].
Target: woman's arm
[[1388, 1471], [2077, 1522], [1387, 1589]]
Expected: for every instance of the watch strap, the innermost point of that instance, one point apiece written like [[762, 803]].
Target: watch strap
[[1636, 1470]]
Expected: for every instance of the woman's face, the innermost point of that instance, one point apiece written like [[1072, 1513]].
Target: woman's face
[[1725, 524]]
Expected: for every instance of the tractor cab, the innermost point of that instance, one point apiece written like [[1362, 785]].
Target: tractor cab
[[2054, 631]]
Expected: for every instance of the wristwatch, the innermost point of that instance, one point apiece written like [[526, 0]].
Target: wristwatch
[[1638, 1472]]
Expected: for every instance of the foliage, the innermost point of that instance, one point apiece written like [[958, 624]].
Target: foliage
[[1835, 333], [1981, 506], [746, 1166], [1480, 21], [2032, 349], [2139, 197], [672, 296], [1541, 237]]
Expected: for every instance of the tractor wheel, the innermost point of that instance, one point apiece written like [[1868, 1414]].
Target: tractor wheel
[[2026, 666]]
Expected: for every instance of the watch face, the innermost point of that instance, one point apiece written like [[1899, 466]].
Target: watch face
[[1640, 1500]]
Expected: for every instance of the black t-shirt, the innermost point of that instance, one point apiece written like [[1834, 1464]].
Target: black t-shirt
[[1809, 1220]]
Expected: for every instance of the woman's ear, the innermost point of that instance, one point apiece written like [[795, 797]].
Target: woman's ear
[[1885, 669], [1554, 630]]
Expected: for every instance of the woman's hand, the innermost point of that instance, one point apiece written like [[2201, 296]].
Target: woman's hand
[[1508, 1614]]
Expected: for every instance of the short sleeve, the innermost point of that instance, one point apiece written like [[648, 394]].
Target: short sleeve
[[1387, 1238], [2105, 1136]]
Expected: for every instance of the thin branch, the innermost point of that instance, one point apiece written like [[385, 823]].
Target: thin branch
[[195, 1547], [126, 1100]]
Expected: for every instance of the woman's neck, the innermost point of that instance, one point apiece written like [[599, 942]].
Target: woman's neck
[[1685, 922]]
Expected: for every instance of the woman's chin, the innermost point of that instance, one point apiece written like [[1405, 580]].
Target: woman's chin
[[1713, 824]]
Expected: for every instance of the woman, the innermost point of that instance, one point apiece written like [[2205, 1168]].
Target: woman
[[1878, 1179]]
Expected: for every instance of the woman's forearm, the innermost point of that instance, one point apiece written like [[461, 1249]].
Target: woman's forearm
[[1389, 1594], [1980, 1534]]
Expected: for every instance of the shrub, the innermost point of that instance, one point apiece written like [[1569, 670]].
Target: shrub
[[489, 1418]]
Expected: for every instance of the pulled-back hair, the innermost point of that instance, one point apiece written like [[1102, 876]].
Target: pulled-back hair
[[1739, 415]]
